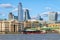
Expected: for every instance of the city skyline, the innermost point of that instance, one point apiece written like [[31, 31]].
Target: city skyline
[[35, 7]]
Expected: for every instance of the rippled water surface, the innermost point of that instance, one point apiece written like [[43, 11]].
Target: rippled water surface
[[30, 37]]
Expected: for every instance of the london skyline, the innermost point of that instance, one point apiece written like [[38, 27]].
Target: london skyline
[[35, 6]]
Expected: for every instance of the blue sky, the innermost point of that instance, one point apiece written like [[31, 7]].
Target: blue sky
[[36, 7]]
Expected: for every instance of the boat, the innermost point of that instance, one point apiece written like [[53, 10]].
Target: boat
[[34, 32]]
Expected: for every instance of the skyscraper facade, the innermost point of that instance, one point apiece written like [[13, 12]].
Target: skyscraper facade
[[26, 14], [20, 12], [39, 17], [16, 17], [11, 16], [53, 16]]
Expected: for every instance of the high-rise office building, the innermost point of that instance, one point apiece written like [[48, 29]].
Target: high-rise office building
[[53, 16], [20, 12], [11, 16], [39, 18], [26, 14], [16, 17]]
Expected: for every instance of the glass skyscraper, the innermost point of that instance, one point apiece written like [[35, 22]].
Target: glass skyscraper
[[20, 12], [39, 17], [16, 17], [10, 16], [53, 16], [26, 14]]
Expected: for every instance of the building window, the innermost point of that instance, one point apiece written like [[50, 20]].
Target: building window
[[6, 27]]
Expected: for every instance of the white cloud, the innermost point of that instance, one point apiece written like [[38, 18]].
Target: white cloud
[[26, 8], [46, 13], [58, 12], [48, 8], [6, 5], [2, 13], [33, 17], [15, 10]]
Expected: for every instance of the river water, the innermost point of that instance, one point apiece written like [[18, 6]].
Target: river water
[[29, 36]]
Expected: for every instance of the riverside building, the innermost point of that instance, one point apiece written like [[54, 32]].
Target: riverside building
[[10, 26]]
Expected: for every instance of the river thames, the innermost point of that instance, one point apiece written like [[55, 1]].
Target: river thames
[[29, 36]]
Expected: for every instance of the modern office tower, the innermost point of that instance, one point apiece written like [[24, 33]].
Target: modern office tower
[[20, 12], [16, 17], [11, 16], [26, 14], [53, 16], [39, 17]]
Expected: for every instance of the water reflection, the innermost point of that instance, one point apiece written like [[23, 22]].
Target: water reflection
[[30, 37]]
